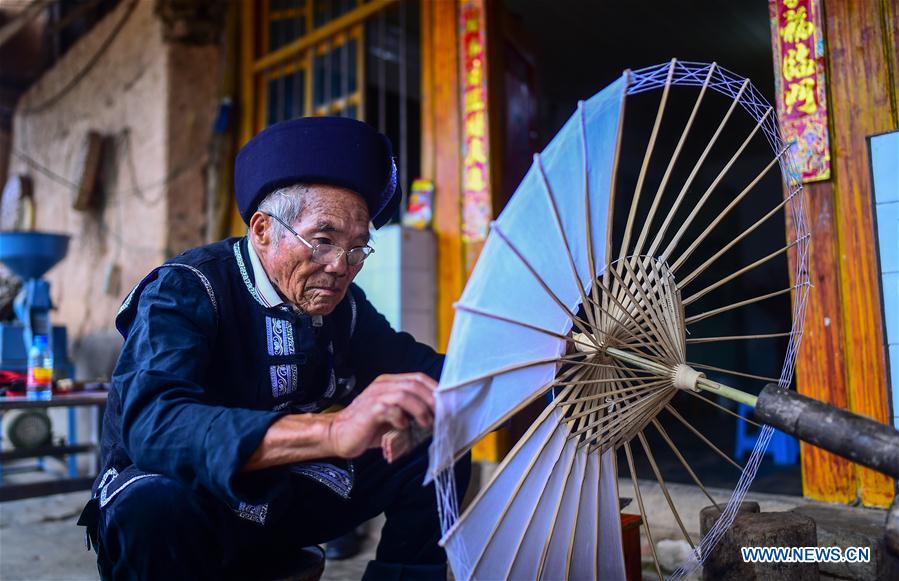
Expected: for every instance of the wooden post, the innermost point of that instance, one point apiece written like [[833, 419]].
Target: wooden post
[[441, 151], [842, 360], [861, 101]]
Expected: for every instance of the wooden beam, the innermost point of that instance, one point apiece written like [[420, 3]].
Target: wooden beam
[[321, 33]]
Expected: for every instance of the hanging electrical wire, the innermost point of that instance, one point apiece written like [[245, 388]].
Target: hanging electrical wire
[[86, 69]]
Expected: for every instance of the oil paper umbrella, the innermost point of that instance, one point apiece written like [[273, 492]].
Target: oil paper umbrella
[[597, 284]]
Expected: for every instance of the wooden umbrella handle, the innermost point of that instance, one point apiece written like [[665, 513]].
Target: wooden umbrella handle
[[397, 443]]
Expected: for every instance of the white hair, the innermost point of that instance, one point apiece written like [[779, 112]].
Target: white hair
[[286, 203]]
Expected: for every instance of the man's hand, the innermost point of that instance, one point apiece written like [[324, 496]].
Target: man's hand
[[390, 402]]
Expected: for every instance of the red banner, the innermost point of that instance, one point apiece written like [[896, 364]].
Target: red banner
[[799, 73], [477, 209]]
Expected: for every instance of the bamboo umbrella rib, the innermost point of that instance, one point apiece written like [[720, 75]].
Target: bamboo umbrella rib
[[699, 294], [617, 435], [737, 305], [589, 374], [721, 407], [614, 424], [598, 307], [697, 340], [475, 311], [636, 344], [668, 170], [581, 324], [584, 374], [668, 303], [680, 196], [683, 461], [635, 391], [607, 292], [577, 517], [645, 165], [544, 416], [663, 337], [663, 366], [615, 366], [521, 405], [613, 178], [699, 435], [603, 394], [700, 269], [598, 506], [613, 418], [558, 219], [634, 334], [739, 197], [555, 518], [621, 325], [588, 213], [594, 397], [587, 383], [651, 323], [653, 310], [633, 408], [510, 368], [633, 471], [732, 372], [607, 366], [658, 473], [705, 196], [530, 521]]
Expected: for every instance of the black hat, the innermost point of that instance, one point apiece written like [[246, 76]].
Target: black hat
[[337, 151]]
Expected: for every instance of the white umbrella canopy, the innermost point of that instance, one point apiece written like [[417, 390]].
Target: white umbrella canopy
[[548, 306]]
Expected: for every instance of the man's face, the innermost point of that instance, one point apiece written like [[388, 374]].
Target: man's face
[[331, 215]]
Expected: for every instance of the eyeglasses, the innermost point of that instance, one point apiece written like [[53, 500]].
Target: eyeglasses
[[329, 253]]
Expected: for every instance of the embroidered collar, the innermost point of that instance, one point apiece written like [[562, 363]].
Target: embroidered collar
[[263, 290], [264, 286]]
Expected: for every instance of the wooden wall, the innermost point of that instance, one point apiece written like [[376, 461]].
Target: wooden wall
[[842, 360]]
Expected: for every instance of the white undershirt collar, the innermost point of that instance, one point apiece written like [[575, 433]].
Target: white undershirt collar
[[264, 286]]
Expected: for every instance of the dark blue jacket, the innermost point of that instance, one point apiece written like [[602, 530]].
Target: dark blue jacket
[[206, 368]]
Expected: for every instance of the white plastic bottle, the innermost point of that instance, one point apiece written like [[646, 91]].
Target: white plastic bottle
[[40, 369]]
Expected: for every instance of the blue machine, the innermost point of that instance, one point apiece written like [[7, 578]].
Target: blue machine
[[29, 255]]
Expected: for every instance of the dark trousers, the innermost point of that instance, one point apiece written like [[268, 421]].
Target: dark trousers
[[158, 528]]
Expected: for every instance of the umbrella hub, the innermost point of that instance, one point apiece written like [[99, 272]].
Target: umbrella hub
[[685, 377]]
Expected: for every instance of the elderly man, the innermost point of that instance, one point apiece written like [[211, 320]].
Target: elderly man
[[217, 460]]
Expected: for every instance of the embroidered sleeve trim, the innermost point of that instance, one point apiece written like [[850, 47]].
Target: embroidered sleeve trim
[[256, 513], [336, 479], [106, 498], [206, 284]]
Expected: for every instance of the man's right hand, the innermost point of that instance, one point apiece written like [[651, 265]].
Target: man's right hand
[[389, 402]]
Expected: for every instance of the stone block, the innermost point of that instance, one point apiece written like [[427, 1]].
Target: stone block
[[757, 529], [846, 526]]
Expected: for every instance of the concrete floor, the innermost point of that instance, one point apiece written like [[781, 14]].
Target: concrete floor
[[40, 541]]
